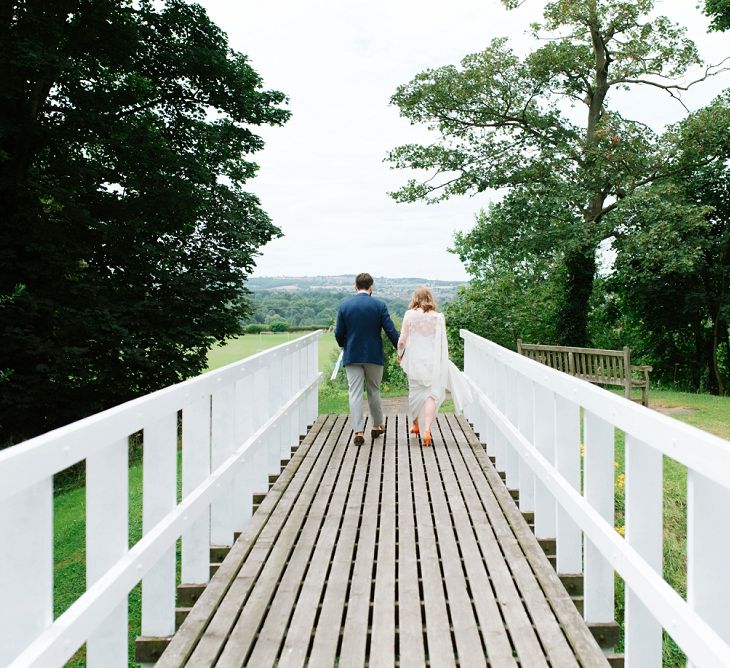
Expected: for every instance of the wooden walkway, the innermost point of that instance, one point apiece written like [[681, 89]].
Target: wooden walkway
[[381, 555]]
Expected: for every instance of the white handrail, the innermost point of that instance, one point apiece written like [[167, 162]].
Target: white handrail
[[273, 394], [699, 626]]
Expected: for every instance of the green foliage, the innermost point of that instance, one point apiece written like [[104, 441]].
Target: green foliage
[[507, 304], [307, 308], [719, 12], [125, 141], [506, 122], [279, 326], [254, 328]]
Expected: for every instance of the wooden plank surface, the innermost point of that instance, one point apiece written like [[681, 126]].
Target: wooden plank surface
[[386, 554]]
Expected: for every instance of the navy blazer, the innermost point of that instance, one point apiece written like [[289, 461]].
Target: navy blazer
[[357, 330]]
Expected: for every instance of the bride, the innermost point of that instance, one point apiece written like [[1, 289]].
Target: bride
[[424, 356]]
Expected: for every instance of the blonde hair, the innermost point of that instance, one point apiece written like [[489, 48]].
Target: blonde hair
[[423, 298]]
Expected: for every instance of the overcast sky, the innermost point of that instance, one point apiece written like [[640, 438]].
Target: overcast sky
[[322, 179]]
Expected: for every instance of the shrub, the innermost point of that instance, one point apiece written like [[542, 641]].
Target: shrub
[[254, 328], [279, 326]]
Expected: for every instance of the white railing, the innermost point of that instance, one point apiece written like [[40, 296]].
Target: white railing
[[530, 416], [238, 423]]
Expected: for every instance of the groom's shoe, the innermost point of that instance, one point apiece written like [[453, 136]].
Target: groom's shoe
[[377, 431], [359, 439]]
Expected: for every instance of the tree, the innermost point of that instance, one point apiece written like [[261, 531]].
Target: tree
[[509, 123], [673, 262], [125, 136], [719, 12]]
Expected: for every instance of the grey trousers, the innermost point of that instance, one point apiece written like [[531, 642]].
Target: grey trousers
[[358, 375]]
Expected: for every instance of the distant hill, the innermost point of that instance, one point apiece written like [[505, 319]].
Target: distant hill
[[303, 301], [401, 288]]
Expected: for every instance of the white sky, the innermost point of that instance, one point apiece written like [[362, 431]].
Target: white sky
[[322, 179]]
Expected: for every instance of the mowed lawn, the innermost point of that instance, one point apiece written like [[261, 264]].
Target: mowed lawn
[[250, 344], [703, 411]]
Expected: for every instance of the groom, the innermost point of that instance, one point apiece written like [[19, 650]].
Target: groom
[[359, 321]]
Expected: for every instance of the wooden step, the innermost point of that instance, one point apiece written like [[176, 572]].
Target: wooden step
[[148, 649], [605, 633], [180, 616], [188, 594], [573, 584]]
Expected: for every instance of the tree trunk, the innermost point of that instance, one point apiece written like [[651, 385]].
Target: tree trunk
[[716, 321], [580, 265]]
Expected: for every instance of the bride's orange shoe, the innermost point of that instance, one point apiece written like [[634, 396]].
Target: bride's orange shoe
[[415, 429], [427, 440]]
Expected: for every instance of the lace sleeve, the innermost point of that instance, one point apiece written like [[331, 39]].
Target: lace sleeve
[[404, 331]]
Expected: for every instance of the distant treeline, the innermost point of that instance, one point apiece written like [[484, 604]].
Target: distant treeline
[[313, 308]]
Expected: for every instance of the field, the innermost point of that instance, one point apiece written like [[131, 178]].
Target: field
[[703, 411], [250, 344]]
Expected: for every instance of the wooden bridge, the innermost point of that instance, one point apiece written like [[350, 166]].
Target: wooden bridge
[[495, 547]]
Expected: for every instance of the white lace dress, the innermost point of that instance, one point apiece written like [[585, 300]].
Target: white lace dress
[[425, 359]]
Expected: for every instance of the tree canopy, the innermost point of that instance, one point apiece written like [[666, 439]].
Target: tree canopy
[[719, 12], [126, 130], [543, 130]]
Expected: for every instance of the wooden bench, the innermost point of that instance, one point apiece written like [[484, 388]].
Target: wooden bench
[[603, 367]]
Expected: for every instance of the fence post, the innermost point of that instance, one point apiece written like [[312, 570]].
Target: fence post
[[222, 445], [567, 461], [26, 567], [107, 540], [500, 391], [511, 410], [159, 496], [195, 469], [627, 372], [544, 435], [599, 493], [525, 419], [313, 366], [708, 547], [243, 490], [644, 505]]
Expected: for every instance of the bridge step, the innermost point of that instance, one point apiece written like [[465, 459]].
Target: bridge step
[[605, 633], [149, 649]]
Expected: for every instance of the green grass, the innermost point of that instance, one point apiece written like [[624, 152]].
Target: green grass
[[250, 344]]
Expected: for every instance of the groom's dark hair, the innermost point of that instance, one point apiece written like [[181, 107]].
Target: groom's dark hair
[[363, 281]]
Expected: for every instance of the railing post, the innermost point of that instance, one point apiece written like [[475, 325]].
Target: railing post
[[511, 410], [159, 496], [244, 487], [644, 505], [107, 540], [222, 445], [525, 419], [260, 458], [26, 567], [313, 403], [195, 469], [304, 377], [599, 492], [278, 374], [567, 462], [708, 551], [544, 431], [500, 392]]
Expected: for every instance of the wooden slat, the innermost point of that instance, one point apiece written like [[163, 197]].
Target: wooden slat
[[553, 641], [466, 628], [327, 633], [185, 640], [268, 571], [496, 640], [410, 622], [586, 650], [354, 635], [332, 491], [440, 649], [294, 651], [515, 616], [382, 646]]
